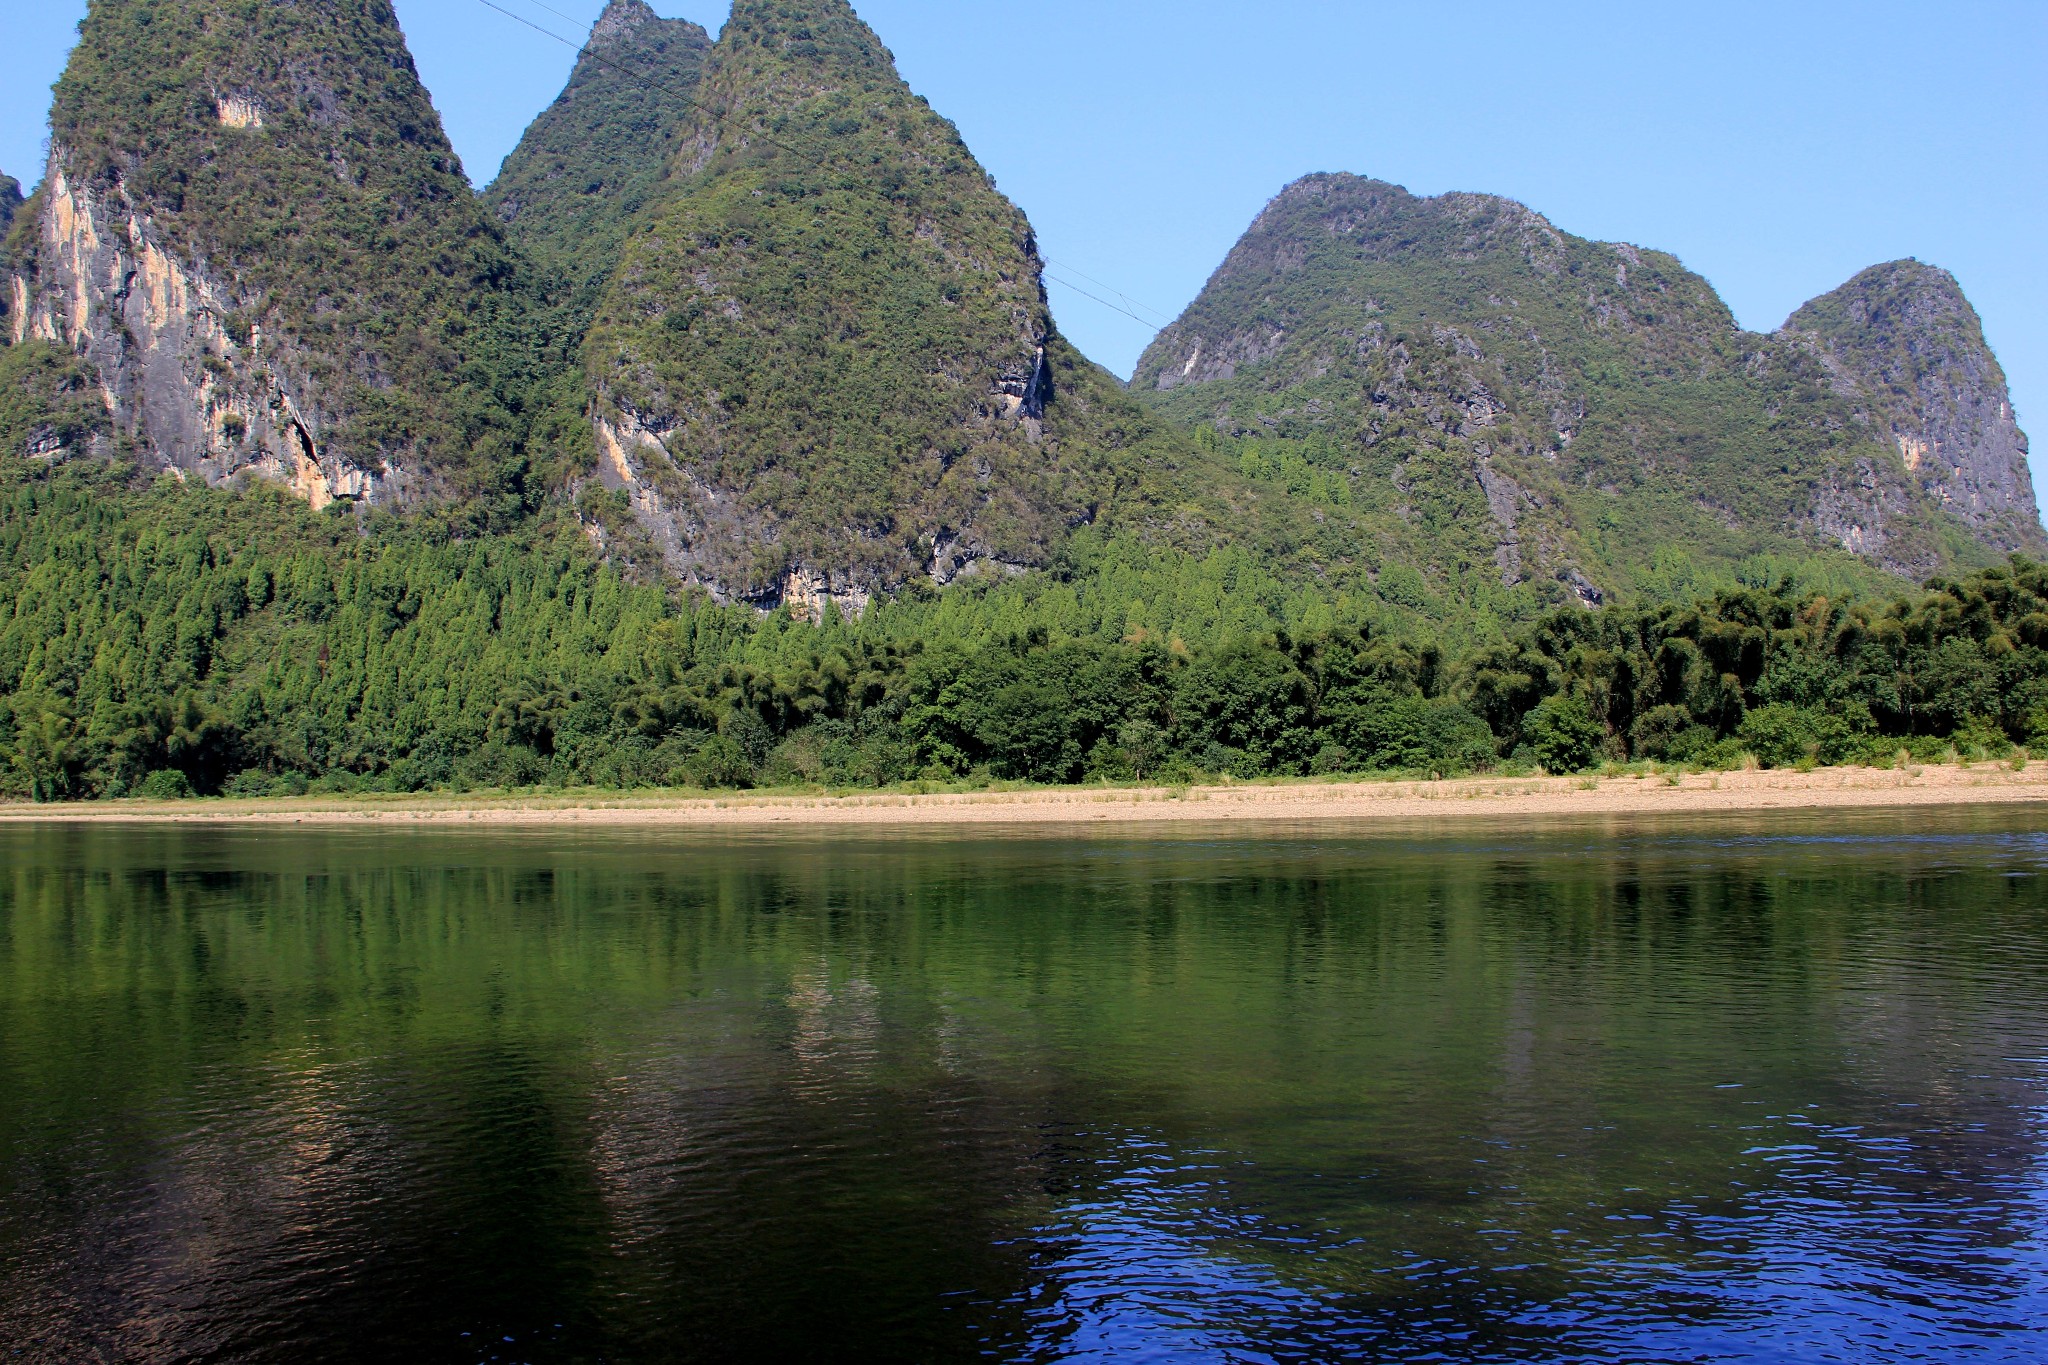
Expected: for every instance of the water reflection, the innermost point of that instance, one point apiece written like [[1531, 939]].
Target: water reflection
[[1686, 1093]]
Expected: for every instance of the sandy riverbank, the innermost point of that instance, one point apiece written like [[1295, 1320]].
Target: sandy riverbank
[[1356, 802]]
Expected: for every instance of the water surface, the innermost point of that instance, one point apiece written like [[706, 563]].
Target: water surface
[[1634, 1091]]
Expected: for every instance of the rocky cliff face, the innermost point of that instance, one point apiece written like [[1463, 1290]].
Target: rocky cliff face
[[1567, 408], [254, 229], [826, 365], [596, 158], [1905, 346]]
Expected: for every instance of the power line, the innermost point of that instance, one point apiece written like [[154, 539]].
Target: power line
[[1143, 307], [1128, 308], [557, 13], [1114, 308]]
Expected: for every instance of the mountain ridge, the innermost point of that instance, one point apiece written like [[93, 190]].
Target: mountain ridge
[[1563, 393]]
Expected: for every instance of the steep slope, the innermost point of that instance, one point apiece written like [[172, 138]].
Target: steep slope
[[1902, 341], [826, 366], [1576, 412], [596, 156], [254, 229], [10, 209]]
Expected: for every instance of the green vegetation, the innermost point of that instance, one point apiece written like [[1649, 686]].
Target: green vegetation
[[595, 159], [49, 404], [1482, 394], [836, 325], [338, 209], [162, 637], [10, 204]]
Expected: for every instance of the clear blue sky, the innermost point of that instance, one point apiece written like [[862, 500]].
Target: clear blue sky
[[1777, 148]]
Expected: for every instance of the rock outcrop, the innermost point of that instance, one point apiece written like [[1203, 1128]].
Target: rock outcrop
[[1574, 409], [827, 360], [596, 158], [1904, 344], [254, 229]]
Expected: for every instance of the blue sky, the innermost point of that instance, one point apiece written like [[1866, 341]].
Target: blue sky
[[1777, 148]]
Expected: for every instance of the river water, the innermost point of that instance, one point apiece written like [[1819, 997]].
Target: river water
[[1635, 1091]]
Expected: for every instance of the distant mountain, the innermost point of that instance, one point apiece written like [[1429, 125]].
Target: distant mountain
[[596, 157], [750, 316], [254, 229], [1906, 347], [826, 364], [1570, 410]]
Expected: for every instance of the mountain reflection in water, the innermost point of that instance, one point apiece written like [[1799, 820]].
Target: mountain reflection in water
[[1635, 1091]]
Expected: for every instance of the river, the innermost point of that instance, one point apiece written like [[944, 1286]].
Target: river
[[1735, 1088]]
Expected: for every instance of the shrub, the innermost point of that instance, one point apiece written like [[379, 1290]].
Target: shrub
[[165, 784], [1784, 736], [1563, 735], [721, 763]]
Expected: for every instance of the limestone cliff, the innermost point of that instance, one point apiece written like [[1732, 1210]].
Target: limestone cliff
[[253, 228], [1906, 346]]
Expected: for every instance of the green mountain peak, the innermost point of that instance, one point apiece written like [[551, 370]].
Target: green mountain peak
[[257, 232], [595, 159], [826, 364], [1575, 411], [1905, 344]]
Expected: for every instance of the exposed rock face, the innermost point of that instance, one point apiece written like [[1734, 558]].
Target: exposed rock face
[[826, 364], [1588, 404], [1905, 345], [275, 267], [596, 157], [107, 288]]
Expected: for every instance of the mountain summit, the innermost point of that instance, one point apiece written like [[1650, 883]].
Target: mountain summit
[[1902, 341], [826, 364], [595, 158], [1575, 410], [254, 228]]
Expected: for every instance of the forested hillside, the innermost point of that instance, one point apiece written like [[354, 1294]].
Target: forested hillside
[[189, 639]]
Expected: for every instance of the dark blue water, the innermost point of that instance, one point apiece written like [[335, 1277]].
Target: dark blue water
[[1628, 1092]]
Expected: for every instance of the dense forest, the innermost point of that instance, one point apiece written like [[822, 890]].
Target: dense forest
[[166, 638]]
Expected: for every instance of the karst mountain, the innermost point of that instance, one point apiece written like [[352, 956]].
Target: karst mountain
[[751, 316], [1570, 410], [253, 228]]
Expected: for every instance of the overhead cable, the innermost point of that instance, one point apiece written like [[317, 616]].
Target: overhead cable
[[1129, 307]]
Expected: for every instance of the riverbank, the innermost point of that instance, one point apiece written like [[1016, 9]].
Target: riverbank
[[1294, 801]]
